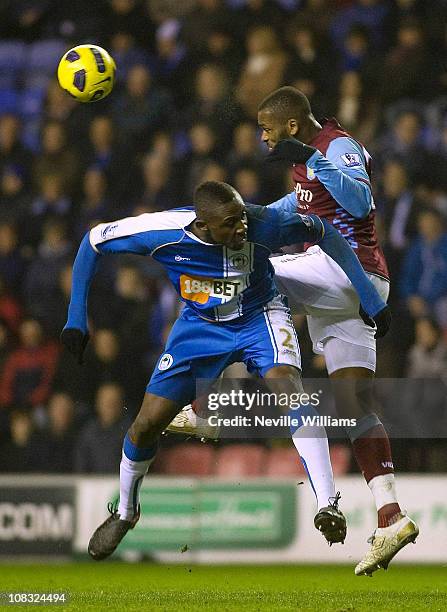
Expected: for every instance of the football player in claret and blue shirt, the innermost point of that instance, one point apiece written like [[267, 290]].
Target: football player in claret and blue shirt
[[217, 257], [332, 174]]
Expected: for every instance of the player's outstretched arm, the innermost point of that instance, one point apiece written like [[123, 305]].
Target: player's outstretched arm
[[138, 235], [75, 335], [343, 174], [292, 228], [373, 310]]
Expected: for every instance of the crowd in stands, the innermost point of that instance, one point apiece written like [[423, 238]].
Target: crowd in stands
[[190, 76]]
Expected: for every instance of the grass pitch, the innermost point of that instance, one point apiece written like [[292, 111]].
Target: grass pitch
[[124, 587]]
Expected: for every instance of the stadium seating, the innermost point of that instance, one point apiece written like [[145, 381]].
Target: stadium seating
[[12, 62], [241, 460], [189, 460], [44, 55], [284, 462], [340, 459]]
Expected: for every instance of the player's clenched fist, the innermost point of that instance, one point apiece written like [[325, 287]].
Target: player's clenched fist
[[75, 341], [291, 150], [381, 320]]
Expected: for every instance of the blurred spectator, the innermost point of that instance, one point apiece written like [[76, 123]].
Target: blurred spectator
[[203, 150], [424, 274], [248, 183], [105, 364], [405, 141], [5, 343], [52, 203], [130, 16], [12, 152], [162, 145], [245, 147], [26, 449], [428, 356], [396, 204], [42, 277], [409, 59], [95, 206], [356, 49], [10, 309], [259, 12], [319, 14], [141, 108], [310, 59], [14, 197], [60, 434], [213, 171], [126, 54], [172, 61], [222, 49], [56, 158], [60, 107], [28, 371], [57, 302], [158, 186], [263, 69], [350, 101], [212, 103], [207, 15], [12, 262], [104, 150], [372, 14], [98, 448]]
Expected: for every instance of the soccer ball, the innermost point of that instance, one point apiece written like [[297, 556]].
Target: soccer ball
[[87, 72]]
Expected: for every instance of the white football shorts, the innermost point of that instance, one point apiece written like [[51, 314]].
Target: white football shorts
[[316, 286]]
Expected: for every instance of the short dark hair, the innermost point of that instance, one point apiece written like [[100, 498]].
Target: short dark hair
[[287, 103], [211, 195]]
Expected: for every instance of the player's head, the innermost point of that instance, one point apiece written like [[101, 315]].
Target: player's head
[[221, 216], [282, 114]]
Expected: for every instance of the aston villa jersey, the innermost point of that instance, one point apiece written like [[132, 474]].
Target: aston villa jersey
[[313, 197]]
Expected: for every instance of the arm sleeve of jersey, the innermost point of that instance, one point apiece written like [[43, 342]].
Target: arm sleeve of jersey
[[84, 268], [136, 235], [130, 235], [339, 250], [293, 228], [286, 204], [342, 171]]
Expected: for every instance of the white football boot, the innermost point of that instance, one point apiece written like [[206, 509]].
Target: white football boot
[[188, 423], [385, 544]]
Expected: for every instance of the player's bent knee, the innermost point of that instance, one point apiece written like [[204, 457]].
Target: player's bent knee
[[283, 371], [286, 377]]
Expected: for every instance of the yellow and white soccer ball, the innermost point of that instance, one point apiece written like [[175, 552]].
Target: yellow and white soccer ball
[[87, 72]]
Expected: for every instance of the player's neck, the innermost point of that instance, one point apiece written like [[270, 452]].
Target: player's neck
[[309, 130]]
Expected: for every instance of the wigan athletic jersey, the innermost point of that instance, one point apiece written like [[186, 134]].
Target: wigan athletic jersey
[[311, 195], [218, 283]]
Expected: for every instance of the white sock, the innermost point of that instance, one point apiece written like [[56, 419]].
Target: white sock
[[311, 443], [131, 477], [383, 488]]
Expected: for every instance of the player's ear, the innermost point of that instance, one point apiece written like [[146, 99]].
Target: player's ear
[[292, 127], [202, 225]]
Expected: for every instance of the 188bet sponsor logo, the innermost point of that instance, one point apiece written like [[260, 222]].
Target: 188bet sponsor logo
[[199, 290]]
